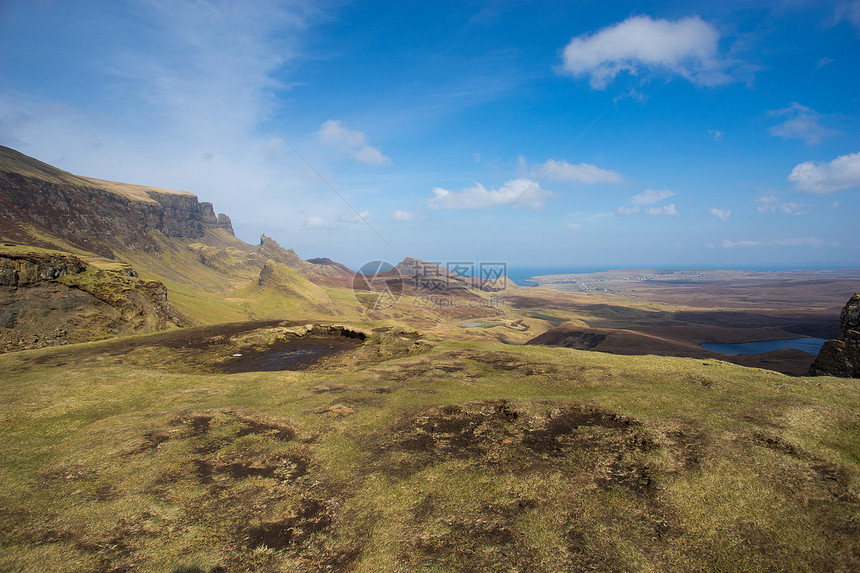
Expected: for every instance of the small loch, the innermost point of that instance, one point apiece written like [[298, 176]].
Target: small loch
[[807, 344]]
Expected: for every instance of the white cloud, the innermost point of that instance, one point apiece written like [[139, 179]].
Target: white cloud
[[350, 142], [794, 242], [841, 173], [582, 173], [717, 135], [664, 210], [792, 208], [403, 215], [721, 214], [357, 218], [772, 203], [798, 242], [650, 196], [735, 244], [687, 47], [317, 223], [274, 148], [170, 102], [801, 123], [823, 62], [338, 222], [523, 191], [848, 10], [767, 203], [624, 211]]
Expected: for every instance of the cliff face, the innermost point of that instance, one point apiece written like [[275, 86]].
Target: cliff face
[[21, 272], [63, 221], [95, 219], [841, 356], [49, 298]]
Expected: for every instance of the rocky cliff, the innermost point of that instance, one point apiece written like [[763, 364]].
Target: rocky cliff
[[167, 235], [39, 203], [841, 356], [49, 298], [23, 271]]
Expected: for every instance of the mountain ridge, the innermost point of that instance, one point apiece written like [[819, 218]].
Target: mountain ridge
[[176, 244], [172, 239]]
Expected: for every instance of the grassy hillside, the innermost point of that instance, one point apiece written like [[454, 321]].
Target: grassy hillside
[[403, 455], [12, 161]]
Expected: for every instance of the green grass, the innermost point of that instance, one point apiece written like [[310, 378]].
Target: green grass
[[109, 464], [548, 316]]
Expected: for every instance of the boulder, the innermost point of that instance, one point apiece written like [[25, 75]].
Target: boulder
[[841, 356]]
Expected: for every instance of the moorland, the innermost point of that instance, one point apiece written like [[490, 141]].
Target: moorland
[[175, 399]]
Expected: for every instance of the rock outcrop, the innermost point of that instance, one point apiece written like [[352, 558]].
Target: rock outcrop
[[49, 298], [20, 271], [841, 356], [210, 220], [39, 201]]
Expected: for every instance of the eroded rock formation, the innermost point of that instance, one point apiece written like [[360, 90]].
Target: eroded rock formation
[[841, 356], [38, 202], [49, 299]]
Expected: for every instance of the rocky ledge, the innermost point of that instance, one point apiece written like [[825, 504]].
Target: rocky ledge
[[49, 298], [841, 356]]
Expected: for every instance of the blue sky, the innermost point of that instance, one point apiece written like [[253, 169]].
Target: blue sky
[[580, 134]]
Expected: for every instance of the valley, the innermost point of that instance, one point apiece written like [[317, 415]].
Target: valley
[[175, 399]]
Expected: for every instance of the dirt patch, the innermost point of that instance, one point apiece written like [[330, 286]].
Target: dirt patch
[[151, 440], [336, 409], [556, 434], [297, 353], [525, 437], [212, 348], [286, 469], [473, 543], [580, 339], [810, 477], [68, 472], [506, 362], [199, 425], [311, 517], [774, 443], [266, 493], [340, 388]]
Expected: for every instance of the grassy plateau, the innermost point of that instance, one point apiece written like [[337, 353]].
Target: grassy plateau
[[404, 452]]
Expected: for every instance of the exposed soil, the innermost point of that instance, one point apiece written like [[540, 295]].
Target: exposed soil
[[210, 348], [594, 449], [518, 437], [296, 354], [276, 509], [242, 485]]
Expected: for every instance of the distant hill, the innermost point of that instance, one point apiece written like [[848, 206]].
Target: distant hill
[[162, 237], [167, 257]]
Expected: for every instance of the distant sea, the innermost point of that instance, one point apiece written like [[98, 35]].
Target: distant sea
[[520, 275]]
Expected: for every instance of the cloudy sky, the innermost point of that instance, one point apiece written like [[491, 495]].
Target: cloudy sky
[[585, 134]]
